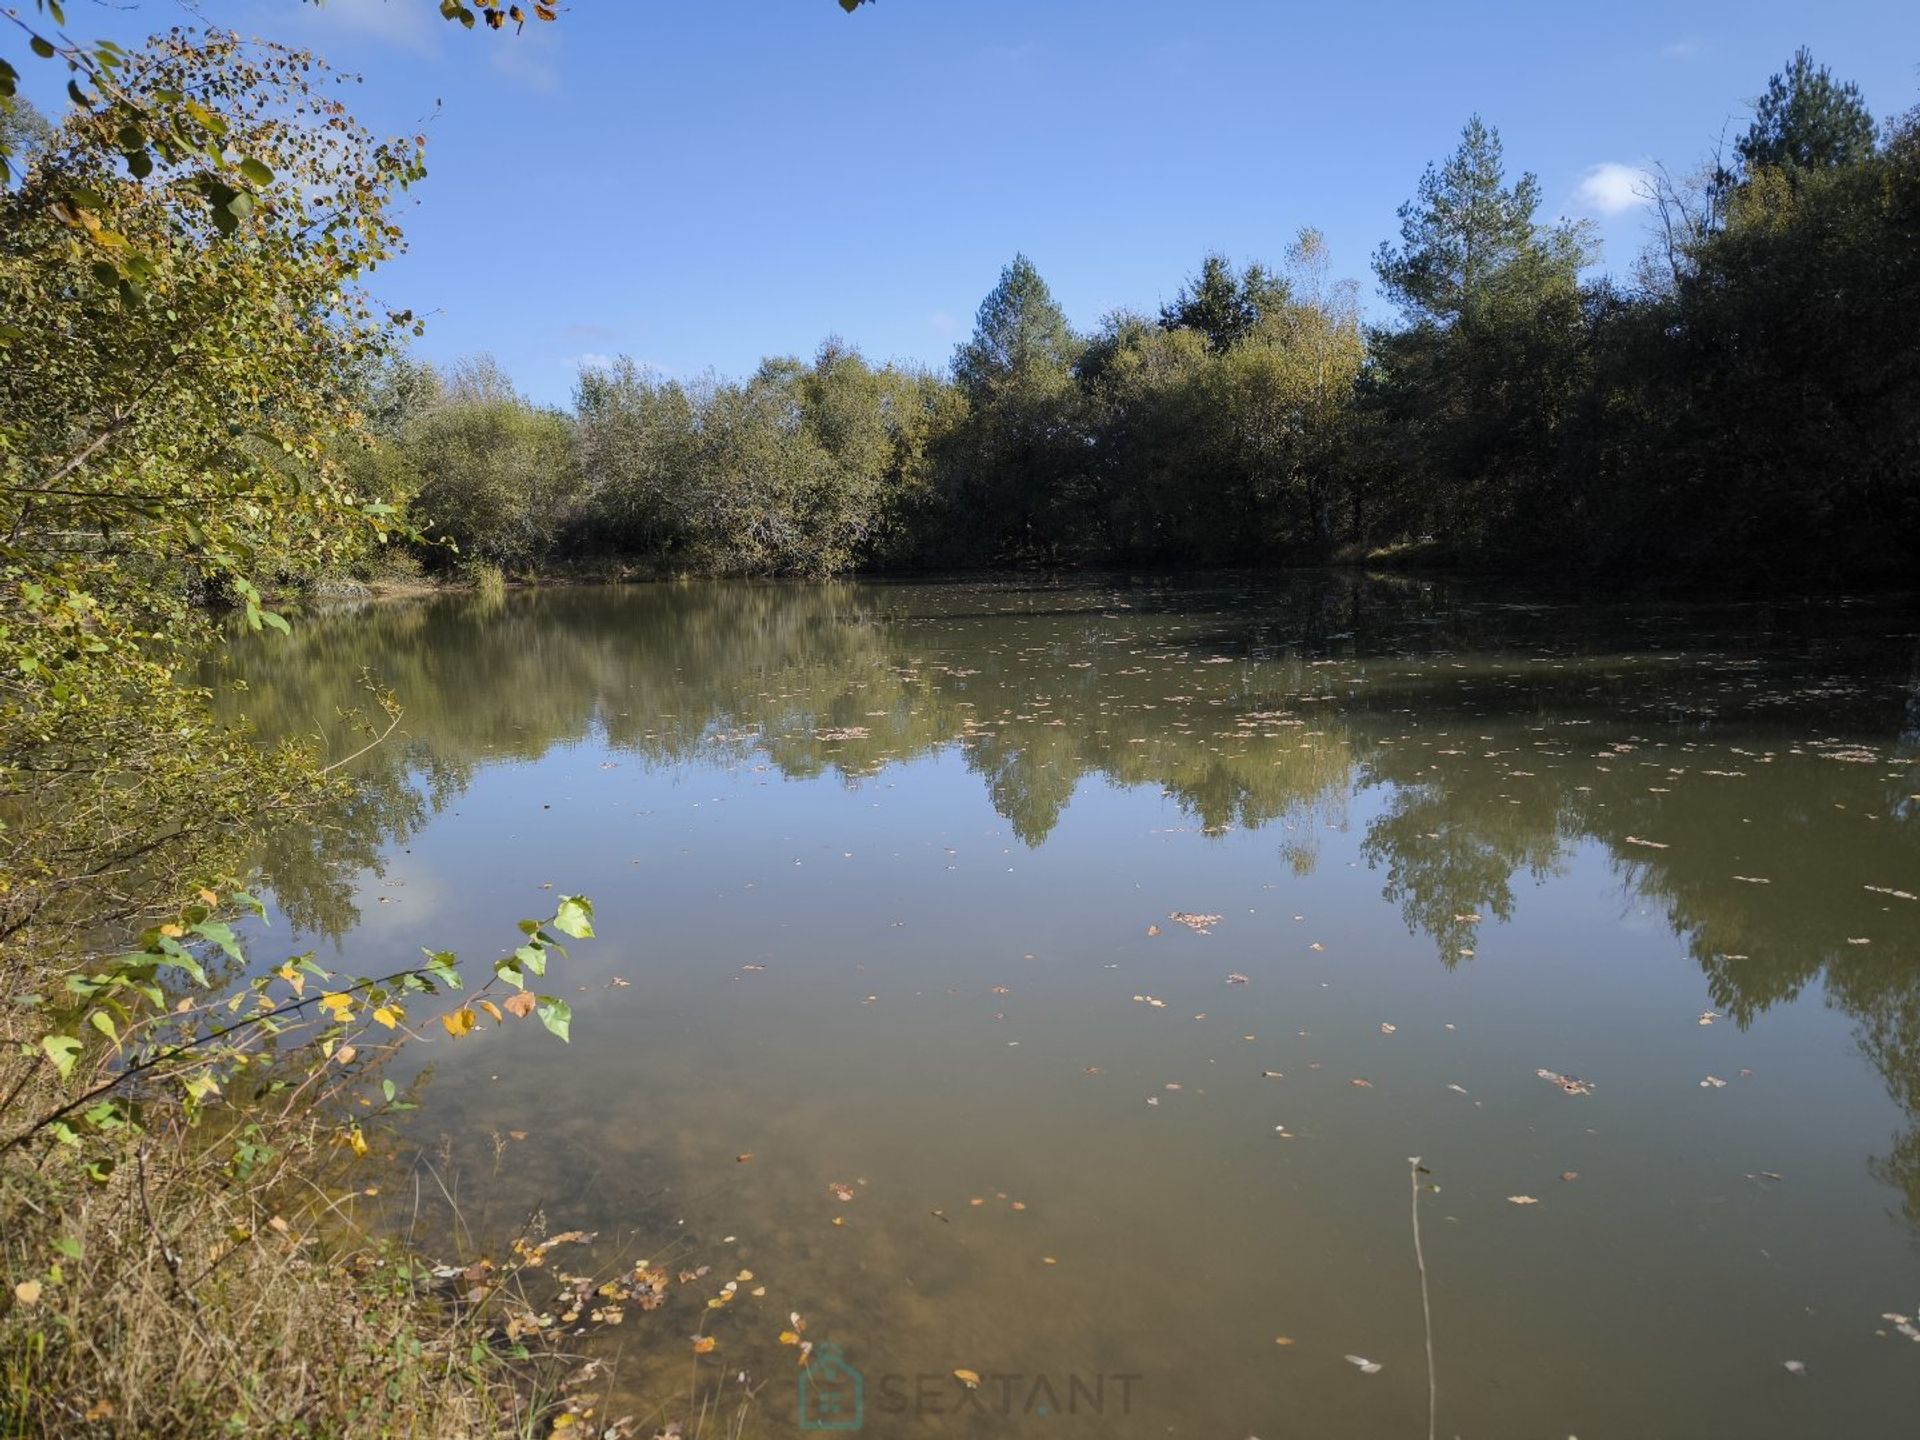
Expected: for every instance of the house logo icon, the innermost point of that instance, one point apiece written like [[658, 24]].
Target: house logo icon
[[833, 1395]]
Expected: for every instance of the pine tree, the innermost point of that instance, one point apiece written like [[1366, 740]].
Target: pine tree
[[1806, 121]]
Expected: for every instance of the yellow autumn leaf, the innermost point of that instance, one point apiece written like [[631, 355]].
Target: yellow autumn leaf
[[968, 1378], [460, 1022], [703, 1344], [293, 977], [358, 1142], [493, 1010], [788, 1337], [388, 1015], [337, 1004]]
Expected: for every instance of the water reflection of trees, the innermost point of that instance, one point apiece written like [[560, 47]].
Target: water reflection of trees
[[1495, 738]]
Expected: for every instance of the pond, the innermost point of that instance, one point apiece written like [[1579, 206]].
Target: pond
[[1052, 979]]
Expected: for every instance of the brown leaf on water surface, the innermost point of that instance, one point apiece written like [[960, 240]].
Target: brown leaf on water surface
[[968, 1378], [1283, 1340], [493, 1010], [1153, 929], [840, 1191], [1567, 1083], [1361, 1084], [704, 1344], [1521, 1200], [743, 1158], [1569, 1176], [1198, 924], [516, 1134]]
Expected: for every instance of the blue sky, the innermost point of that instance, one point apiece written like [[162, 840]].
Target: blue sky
[[697, 183]]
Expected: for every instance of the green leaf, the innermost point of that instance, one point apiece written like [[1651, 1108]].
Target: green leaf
[[387, 1089], [41, 47], [574, 917], [62, 1050], [258, 173], [222, 935], [533, 957], [556, 1015], [103, 1022]]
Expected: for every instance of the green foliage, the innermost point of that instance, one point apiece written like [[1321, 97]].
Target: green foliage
[[803, 469], [1807, 121], [494, 478], [1222, 305]]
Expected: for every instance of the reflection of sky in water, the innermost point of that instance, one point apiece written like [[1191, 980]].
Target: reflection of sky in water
[[1383, 763]]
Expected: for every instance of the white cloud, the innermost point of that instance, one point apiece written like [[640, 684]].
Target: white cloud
[[529, 59], [1681, 49], [403, 24], [1611, 188]]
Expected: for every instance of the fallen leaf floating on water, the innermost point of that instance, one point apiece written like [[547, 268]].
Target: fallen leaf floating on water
[[1568, 1083], [1283, 1340], [1650, 844], [1236, 978], [521, 1003], [839, 1191], [1569, 1176], [1272, 1075], [1198, 924], [1707, 1017], [1366, 1366], [1713, 1082], [1361, 1084], [1752, 880], [1153, 929], [1521, 1200], [704, 1344], [968, 1378], [1793, 1367], [1458, 1089], [744, 1158], [1386, 1029]]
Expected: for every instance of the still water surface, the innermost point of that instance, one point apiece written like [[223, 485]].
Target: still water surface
[[891, 875]]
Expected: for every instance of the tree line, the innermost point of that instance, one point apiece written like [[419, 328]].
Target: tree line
[[1745, 408]]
